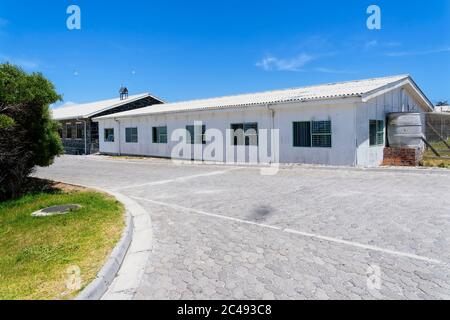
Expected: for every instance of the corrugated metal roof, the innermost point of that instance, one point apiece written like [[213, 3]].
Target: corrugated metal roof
[[81, 111], [319, 92]]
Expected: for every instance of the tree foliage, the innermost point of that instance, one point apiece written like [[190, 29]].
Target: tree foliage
[[28, 135]]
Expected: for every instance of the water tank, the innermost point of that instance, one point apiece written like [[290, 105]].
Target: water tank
[[405, 130]]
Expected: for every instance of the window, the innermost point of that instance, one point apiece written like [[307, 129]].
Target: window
[[321, 134], [79, 132], [109, 135], [302, 134], [376, 135], [68, 131], [131, 135], [245, 134], [316, 134], [196, 134], [159, 134]]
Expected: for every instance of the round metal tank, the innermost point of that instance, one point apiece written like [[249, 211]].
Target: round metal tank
[[405, 130]]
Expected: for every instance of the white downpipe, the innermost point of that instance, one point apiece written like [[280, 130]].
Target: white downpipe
[[118, 137], [272, 139], [85, 138]]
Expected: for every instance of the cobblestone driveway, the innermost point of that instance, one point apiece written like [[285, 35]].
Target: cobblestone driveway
[[305, 233]]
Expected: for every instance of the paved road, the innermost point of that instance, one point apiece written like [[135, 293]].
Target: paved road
[[306, 233]]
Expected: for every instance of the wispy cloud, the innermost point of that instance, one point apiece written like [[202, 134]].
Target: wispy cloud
[[418, 53], [335, 71], [62, 105], [29, 64], [370, 44], [271, 63]]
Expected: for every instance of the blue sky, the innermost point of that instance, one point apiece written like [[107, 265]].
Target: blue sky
[[181, 50]]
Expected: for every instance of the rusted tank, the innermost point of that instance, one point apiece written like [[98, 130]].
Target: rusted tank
[[405, 130]]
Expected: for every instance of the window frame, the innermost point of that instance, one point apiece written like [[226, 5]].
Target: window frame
[[157, 135], [69, 129], [105, 136], [77, 125], [294, 136], [322, 134], [378, 133], [193, 138], [313, 134], [245, 139], [132, 135]]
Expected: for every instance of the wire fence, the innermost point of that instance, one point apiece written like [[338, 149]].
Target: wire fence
[[437, 135]]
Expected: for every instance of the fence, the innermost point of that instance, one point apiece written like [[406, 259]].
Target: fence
[[437, 135]]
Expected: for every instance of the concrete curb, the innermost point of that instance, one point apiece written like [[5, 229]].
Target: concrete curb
[[129, 276], [97, 288]]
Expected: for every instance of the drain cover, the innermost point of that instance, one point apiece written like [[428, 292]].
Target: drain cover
[[56, 210]]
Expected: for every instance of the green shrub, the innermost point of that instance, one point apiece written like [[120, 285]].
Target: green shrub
[[28, 135]]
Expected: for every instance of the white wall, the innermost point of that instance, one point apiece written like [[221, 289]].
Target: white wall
[[341, 116], [398, 100], [350, 129]]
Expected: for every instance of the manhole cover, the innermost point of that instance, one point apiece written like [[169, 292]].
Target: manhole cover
[[56, 210]]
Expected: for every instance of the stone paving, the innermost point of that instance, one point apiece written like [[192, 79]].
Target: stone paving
[[305, 233]]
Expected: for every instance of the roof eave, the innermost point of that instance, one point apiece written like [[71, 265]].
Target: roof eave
[[347, 98]]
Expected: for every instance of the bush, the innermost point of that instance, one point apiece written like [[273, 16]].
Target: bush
[[28, 135]]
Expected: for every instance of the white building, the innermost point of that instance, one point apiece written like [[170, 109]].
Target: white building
[[332, 124], [442, 109]]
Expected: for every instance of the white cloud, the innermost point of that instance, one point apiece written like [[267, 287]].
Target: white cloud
[[28, 64], [66, 104], [371, 44], [336, 71], [272, 63], [418, 53]]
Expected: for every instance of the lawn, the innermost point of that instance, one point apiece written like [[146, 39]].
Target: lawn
[[36, 254], [430, 159]]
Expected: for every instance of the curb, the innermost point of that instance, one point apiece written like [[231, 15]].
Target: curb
[[136, 240], [97, 288]]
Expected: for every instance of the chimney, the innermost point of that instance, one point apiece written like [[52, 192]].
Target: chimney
[[123, 93]]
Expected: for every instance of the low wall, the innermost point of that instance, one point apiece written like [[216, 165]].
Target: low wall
[[402, 157]]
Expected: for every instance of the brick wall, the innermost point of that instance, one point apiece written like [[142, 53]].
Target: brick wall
[[402, 157]]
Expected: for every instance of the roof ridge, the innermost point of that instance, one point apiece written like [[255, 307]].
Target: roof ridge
[[103, 100], [290, 89]]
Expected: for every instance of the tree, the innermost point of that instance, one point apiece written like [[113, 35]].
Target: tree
[[28, 135]]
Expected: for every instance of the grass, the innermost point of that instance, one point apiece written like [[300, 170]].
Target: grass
[[35, 253], [430, 159]]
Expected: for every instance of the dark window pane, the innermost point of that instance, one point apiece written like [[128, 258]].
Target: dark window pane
[[68, 131], [237, 134], [321, 127], [302, 134], [80, 129], [321, 141], [376, 132], [131, 135], [109, 135], [190, 134], [155, 135]]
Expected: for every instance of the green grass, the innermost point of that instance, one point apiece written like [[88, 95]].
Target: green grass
[[430, 159], [35, 253]]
